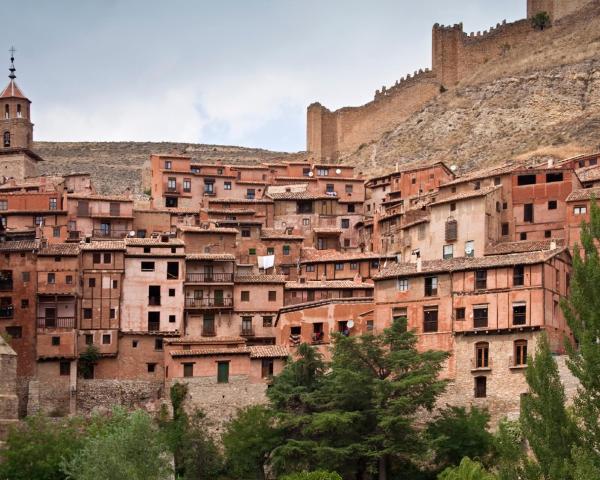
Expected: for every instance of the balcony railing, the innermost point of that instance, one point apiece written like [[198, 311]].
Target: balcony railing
[[209, 277], [154, 326], [7, 311], [74, 235], [6, 285], [154, 301], [208, 302], [247, 332], [318, 337], [56, 322], [112, 233], [209, 331]]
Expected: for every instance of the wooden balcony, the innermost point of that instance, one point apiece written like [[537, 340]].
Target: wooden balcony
[[208, 302], [55, 322], [216, 277], [247, 332]]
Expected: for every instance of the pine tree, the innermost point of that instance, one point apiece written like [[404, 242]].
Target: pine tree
[[582, 311], [550, 431]]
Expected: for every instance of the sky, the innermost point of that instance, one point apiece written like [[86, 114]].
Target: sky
[[227, 72]]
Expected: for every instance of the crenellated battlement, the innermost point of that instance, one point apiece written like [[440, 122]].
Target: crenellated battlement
[[409, 79]]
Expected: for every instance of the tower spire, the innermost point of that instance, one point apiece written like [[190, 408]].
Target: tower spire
[[12, 68]]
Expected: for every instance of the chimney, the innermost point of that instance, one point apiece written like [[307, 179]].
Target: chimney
[[553, 245], [419, 265], [550, 162]]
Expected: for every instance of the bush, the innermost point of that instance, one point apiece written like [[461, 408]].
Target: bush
[[316, 475], [540, 20], [467, 470]]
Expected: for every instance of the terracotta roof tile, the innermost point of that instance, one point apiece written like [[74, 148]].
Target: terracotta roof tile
[[18, 246], [588, 174], [217, 257], [268, 351], [206, 351], [522, 246], [208, 340], [312, 255], [584, 194], [259, 279], [312, 284], [467, 195], [239, 200], [327, 230], [12, 91], [300, 196], [192, 229], [153, 242], [485, 173], [109, 198], [104, 245], [466, 263], [58, 249], [179, 210], [272, 234]]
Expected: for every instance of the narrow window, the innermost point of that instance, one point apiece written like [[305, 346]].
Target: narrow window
[[482, 355], [519, 314], [222, 372], [459, 313], [272, 295], [6, 138], [518, 275], [520, 352], [172, 270], [65, 367], [188, 369], [448, 252], [480, 279], [480, 387], [430, 319], [480, 316], [528, 212], [431, 286], [245, 296], [403, 284]]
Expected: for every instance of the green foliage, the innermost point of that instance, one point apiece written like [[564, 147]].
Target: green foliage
[[456, 433], [87, 359], [508, 446], [550, 431], [540, 20], [125, 447], [467, 470], [36, 448], [249, 440], [359, 417], [582, 311], [316, 475]]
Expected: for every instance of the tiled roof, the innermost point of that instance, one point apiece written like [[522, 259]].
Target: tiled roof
[[522, 246], [584, 194], [485, 173], [319, 303], [239, 200], [188, 211], [272, 234], [230, 211], [109, 198], [188, 228], [327, 230], [268, 351], [467, 195], [409, 167], [259, 279], [104, 245], [58, 249], [12, 90], [217, 257], [311, 284], [588, 174], [214, 350], [208, 340], [466, 263], [153, 242], [311, 255], [414, 222], [18, 246], [300, 196]]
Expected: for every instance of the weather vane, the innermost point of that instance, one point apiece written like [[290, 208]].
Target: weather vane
[[12, 68]]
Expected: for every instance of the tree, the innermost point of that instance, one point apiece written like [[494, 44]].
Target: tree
[[317, 475], [249, 440], [36, 448], [125, 447], [549, 429], [540, 20], [510, 454], [582, 311], [456, 433], [359, 418], [467, 470]]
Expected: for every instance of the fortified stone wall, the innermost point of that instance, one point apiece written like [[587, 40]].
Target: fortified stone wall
[[8, 387], [103, 395], [455, 56]]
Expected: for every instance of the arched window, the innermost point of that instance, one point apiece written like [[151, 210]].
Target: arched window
[[482, 355], [6, 111], [6, 139], [520, 357], [18, 110]]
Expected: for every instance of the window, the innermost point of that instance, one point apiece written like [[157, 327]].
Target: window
[[267, 321], [552, 204], [351, 208], [270, 251], [24, 303], [89, 339], [480, 387], [171, 292], [55, 341], [158, 344], [267, 368], [112, 313], [459, 313], [147, 266], [497, 181], [172, 270], [520, 357], [482, 355], [498, 206], [153, 321], [431, 286], [286, 250], [187, 185], [151, 367], [403, 284], [448, 252], [25, 276], [188, 369], [51, 278], [329, 188], [430, 319], [52, 204], [480, 316], [526, 180], [250, 193], [399, 314], [64, 367], [245, 295], [370, 325], [106, 339], [172, 184], [272, 295], [547, 233], [554, 177], [452, 207], [38, 220], [3, 204], [15, 332], [19, 113], [6, 139], [345, 223], [519, 313], [134, 344], [306, 222], [87, 313], [477, 185], [69, 279], [168, 165], [6, 112], [375, 263], [222, 372], [172, 318], [528, 212], [306, 172], [310, 268], [115, 284], [227, 186], [469, 248], [348, 188], [91, 282], [339, 266], [246, 232], [518, 275], [580, 210], [505, 230], [523, 236], [147, 250], [209, 187], [322, 172], [56, 232], [480, 279], [252, 251]]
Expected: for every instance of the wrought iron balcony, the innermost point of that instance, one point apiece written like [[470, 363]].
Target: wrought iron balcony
[[208, 302], [216, 277]]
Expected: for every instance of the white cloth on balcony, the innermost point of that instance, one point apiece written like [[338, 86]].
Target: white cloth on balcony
[[266, 261]]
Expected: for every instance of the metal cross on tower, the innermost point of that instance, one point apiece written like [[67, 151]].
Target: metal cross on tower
[[12, 68]]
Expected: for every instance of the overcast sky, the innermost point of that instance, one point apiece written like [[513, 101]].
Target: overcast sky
[[224, 72]]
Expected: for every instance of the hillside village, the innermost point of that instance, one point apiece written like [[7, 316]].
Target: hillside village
[[222, 269]]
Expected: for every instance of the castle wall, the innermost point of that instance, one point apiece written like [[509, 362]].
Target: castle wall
[[555, 8]]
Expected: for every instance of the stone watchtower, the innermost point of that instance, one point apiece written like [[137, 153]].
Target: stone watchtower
[[16, 131]]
